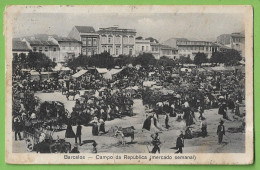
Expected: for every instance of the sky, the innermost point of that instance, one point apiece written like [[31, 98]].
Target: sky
[[160, 26]]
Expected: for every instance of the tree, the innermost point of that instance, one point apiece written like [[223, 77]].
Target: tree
[[37, 61], [103, 60], [217, 57], [232, 57], [200, 58], [145, 60], [123, 60], [80, 61], [165, 61], [184, 60]]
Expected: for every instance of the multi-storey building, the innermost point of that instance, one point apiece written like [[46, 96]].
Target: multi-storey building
[[88, 37], [69, 47], [191, 48], [142, 45], [49, 48], [234, 41], [155, 47], [169, 52], [19, 47], [117, 41]]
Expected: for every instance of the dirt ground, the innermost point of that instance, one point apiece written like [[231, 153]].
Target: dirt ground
[[232, 142]]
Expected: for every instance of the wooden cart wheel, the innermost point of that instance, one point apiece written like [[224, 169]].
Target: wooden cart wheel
[[29, 144]]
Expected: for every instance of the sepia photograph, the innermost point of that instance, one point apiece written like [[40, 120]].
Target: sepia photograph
[[129, 84]]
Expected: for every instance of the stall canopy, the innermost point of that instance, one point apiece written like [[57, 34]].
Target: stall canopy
[[60, 67], [149, 83], [102, 70], [220, 68], [79, 74]]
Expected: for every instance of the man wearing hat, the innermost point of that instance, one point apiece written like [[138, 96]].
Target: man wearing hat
[[180, 143], [220, 131], [78, 133]]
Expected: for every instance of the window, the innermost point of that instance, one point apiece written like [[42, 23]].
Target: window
[[131, 39], [104, 39], [125, 39], [94, 41], [109, 40], [125, 50], [54, 49], [54, 59], [117, 39], [142, 48], [117, 51], [89, 42], [46, 49], [110, 50], [89, 53], [104, 48], [84, 51], [130, 51], [84, 41], [34, 49], [40, 49]]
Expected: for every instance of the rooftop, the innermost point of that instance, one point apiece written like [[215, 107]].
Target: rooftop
[[42, 42], [85, 29], [65, 39], [116, 29], [20, 46]]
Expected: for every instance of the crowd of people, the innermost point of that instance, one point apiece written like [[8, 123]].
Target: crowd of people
[[172, 93]]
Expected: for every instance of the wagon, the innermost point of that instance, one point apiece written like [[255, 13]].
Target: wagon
[[38, 140]]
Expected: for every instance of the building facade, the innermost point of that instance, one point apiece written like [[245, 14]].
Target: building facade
[[19, 47], [69, 47], [191, 48], [88, 37], [169, 52], [142, 46], [49, 48], [155, 47], [117, 41], [234, 41]]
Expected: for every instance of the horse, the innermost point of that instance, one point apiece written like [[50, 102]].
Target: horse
[[72, 93], [125, 132]]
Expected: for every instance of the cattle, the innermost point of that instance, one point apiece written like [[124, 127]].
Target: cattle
[[125, 132]]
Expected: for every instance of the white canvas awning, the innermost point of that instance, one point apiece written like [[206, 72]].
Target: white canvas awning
[[149, 83], [102, 70], [115, 71], [80, 73]]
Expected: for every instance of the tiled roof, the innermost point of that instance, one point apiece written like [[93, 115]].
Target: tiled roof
[[85, 29], [43, 43], [66, 39], [20, 46], [167, 47], [152, 39]]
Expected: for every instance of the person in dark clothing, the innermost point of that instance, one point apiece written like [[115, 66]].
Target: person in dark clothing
[[156, 142], [147, 123], [180, 143], [69, 132], [167, 121], [75, 149], [78, 133], [220, 131], [223, 110], [17, 127]]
